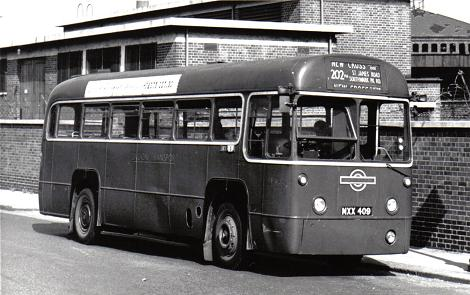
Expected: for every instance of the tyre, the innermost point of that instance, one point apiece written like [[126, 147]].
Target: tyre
[[228, 237], [85, 217]]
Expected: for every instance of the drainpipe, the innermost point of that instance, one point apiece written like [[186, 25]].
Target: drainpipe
[[186, 48], [321, 13], [330, 45]]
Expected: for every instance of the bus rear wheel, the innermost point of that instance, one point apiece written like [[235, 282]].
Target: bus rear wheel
[[85, 217], [228, 237]]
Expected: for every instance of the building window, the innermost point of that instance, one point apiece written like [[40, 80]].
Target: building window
[[415, 47], [89, 10], [254, 12], [267, 12], [69, 65], [141, 57], [425, 48], [3, 72], [443, 47], [462, 48], [103, 60], [80, 10], [453, 48], [433, 47]]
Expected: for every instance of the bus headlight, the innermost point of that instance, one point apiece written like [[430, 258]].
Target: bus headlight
[[392, 206], [319, 205], [407, 181], [302, 179], [390, 237]]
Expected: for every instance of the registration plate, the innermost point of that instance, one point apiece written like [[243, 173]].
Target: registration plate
[[356, 211]]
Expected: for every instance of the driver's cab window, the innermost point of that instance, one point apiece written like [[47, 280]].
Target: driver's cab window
[[269, 129], [325, 128]]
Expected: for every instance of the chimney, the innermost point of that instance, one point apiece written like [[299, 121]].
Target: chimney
[[141, 4]]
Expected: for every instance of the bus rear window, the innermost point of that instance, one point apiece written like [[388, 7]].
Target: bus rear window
[[95, 123], [69, 121]]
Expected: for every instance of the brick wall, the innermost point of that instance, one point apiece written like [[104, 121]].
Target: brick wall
[[170, 55], [200, 53], [20, 156], [455, 110], [432, 89], [382, 28], [441, 191]]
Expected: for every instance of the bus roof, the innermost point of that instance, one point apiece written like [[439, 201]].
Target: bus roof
[[338, 73]]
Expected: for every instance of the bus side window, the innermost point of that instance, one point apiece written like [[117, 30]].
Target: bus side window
[[193, 118], [157, 120], [69, 121], [367, 131], [258, 114], [227, 119], [51, 132], [125, 121], [95, 123]]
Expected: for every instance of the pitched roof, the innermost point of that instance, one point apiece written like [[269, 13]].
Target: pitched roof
[[427, 24]]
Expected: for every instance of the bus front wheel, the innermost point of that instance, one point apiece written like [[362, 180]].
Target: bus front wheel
[[228, 237], [85, 217]]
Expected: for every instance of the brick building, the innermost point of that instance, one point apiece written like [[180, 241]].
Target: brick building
[[441, 201], [197, 32]]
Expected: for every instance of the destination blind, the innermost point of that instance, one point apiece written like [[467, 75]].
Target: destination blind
[[354, 76]]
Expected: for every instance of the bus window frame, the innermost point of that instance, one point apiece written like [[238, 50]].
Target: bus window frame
[[176, 119], [326, 162], [140, 99], [112, 114], [82, 120], [142, 111]]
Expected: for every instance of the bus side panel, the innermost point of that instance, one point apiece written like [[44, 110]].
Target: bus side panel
[[154, 162], [222, 164], [45, 177], [64, 163], [281, 234], [253, 176], [187, 186], [92, 156], [119, 185]]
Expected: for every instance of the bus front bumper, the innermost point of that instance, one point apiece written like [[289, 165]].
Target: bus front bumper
[[333, 236]]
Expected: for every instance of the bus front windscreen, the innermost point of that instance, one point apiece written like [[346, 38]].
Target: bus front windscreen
[[329, 129], [325, 128]]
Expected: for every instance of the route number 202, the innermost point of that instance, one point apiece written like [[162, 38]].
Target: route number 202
[[337, 75]]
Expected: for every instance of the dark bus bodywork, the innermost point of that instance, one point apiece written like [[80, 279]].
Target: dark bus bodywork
[[273, 171]]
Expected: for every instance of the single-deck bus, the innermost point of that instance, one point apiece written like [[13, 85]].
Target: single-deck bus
[[307, 155]]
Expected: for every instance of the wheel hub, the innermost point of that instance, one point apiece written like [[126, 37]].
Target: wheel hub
[[228, 235], [85, 217]]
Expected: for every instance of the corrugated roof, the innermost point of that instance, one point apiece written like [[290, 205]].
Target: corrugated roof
[[427, 24]]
